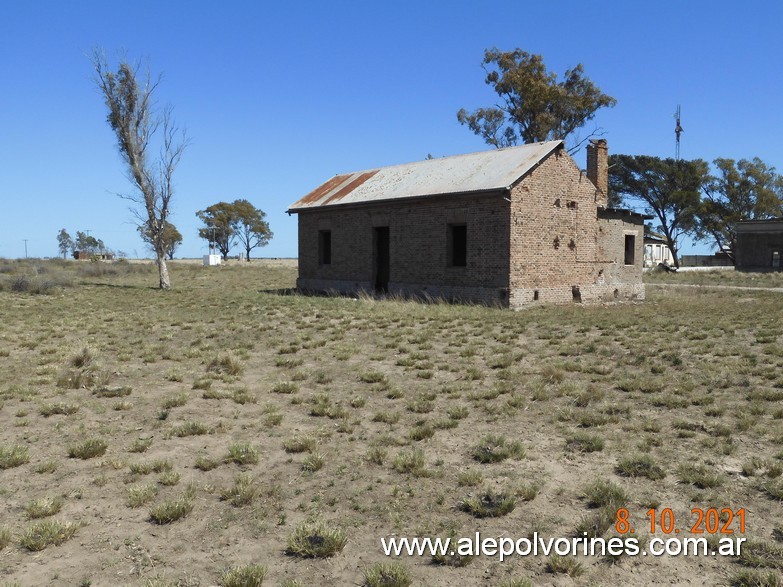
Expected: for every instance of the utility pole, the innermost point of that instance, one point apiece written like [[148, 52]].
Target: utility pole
[[25, 247]]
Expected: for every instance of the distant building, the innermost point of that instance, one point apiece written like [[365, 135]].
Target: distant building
[[512, 227], [656, 250], [759, 245], [87, 256]]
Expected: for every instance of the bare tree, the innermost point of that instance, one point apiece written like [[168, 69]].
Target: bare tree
[[129, 95]]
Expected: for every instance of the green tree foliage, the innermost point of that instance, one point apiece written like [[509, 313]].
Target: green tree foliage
[[88, 244], [249, 226], [218, 230], [172, 238], [225, 223], [668, 189], [534, 106], [141, 131], [64, 242], [740, 190]]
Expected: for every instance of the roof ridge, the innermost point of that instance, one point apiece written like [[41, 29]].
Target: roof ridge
[[457, 156]]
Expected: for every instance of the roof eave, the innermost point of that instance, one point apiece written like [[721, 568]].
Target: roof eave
[[624, 212]]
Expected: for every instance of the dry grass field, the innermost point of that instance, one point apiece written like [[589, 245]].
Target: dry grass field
[[227, 433]]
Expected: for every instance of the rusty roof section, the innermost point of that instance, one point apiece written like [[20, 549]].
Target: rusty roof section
[[475, 172], [323, 189], [355, 182]]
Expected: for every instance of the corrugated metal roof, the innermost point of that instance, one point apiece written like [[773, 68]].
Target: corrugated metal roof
[[474, 172]]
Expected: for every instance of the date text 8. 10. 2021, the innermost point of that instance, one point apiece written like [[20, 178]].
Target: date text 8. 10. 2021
[[711, 521]]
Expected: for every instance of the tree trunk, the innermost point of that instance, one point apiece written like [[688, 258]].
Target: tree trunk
[[248, 254], [165, 283], [675, 257]]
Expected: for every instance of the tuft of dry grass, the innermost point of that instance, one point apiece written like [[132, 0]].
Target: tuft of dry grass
[[49, 533], [701, 476], [190, 428], [300, 443], [584, 442], [43, 507], [205, 463], [140, 445], [226, 363], [313, 462], [488, 504], [242, 453], [173, 509], [640, 466], [245, 576], [176, 400], [242, 493], [57, 408], [315, 539], [13, 456], [495, 448], [147, 467], [387, 575], [411, 462], [140, 495], [566, 565], [5, 537], [89, 449]]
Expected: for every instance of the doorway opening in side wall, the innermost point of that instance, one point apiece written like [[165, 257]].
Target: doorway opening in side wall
[[457, 245], [380, 237], [324, 247], [630, 249]]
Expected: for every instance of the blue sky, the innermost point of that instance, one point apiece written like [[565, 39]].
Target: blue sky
[[278, 97]]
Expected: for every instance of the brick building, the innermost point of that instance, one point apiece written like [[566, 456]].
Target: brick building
[[759, 245], [513, 227]]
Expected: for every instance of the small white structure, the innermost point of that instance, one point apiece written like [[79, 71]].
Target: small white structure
[[656, 250], [211, 260]]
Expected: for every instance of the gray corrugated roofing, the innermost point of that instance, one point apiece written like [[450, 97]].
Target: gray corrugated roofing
[[474, 172]]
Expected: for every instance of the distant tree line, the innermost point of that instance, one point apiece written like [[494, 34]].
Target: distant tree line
[[67, 245], [226, 225], [83, 242]]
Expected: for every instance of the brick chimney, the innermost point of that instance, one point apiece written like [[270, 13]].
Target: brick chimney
[[598, 168]]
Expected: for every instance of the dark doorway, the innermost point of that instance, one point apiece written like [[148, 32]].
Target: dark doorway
[[380, 237], [457, 245]]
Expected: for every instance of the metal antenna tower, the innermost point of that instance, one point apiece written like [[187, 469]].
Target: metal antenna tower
[[677, 133]]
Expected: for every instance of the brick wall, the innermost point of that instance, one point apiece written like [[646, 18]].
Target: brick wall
[[560, 251], [755, 250], [418, 234]]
